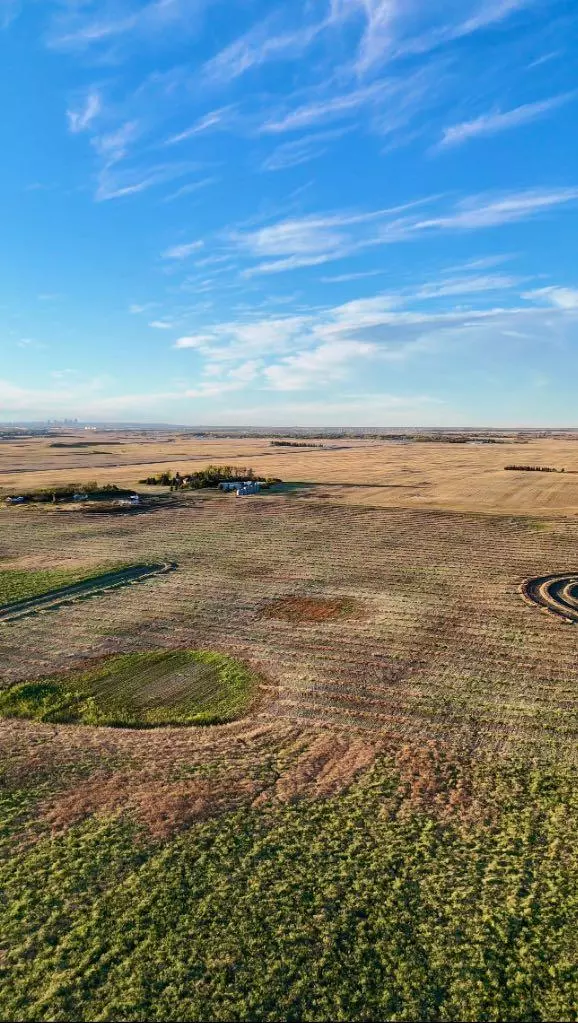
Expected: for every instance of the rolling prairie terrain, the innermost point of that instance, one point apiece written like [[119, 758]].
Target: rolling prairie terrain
[[387, 829]]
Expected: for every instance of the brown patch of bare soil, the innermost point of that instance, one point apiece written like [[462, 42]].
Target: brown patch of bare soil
[[161, 805], [312, 609], [432, 780], [329, 764]]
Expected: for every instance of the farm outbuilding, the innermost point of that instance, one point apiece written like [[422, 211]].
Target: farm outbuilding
[[248, 488]]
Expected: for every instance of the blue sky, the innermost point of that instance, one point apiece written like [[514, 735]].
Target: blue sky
[[317, 212]]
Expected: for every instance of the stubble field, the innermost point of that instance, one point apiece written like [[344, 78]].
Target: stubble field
[[461, 477], [389, 830]]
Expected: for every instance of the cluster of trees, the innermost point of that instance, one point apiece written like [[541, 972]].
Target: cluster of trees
[[209, 477], [294, 444], [79, 443], [533, 468], [68, 491]]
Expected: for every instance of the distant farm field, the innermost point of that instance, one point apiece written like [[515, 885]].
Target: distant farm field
[[387, 830], [462, 477]]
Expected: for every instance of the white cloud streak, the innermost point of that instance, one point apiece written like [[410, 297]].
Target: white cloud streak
[[299, 151], [118, 182], [322, 238], [491, 124], [81, 120], [182, 251], [219, 118], [397, 28], [79, 26]]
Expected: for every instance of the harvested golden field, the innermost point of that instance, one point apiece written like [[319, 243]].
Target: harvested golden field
[[462, 477]]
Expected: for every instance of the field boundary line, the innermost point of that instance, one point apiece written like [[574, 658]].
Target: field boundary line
[[75, 592]]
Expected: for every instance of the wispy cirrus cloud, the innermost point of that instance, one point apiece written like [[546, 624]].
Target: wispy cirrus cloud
[[183, 251], [466, 285], [215, 119], [394, 28], [9, 9], [115, 145], [481, 211], [116, 182], [82, 119], [266, 41], [389, 103], [327, 109], [317, 239], [190, 188], [302, 150], [491, 124], [102, 24]]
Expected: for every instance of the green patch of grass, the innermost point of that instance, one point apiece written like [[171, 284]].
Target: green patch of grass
[[175, 687], [20, 584], [341, 909]]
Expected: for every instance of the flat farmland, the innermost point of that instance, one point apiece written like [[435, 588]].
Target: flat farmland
[[461, 477], [385, 827], [438, 637]]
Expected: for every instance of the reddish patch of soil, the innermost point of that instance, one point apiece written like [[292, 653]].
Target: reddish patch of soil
[[312, 609]]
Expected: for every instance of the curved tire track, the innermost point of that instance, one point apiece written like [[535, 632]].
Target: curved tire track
[[557, 594], [54, 599]]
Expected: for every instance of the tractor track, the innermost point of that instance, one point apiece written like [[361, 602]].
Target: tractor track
[[557, 594]]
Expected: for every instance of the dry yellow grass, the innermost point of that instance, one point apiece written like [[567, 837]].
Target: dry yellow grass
[[462, 477]]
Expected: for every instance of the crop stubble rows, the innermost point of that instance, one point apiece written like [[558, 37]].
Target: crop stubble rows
[[445, 643]]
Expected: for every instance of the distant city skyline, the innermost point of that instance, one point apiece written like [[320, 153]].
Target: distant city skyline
[[341, 213]]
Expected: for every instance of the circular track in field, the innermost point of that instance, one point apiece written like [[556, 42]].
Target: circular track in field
[[556, 593]]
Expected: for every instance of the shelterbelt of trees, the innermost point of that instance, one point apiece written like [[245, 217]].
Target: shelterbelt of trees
[[69, 492], [533, 468], [209, 477]]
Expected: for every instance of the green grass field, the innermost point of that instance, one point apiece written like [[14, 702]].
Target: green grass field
[[178, 687], [365, 906], [21, 584]]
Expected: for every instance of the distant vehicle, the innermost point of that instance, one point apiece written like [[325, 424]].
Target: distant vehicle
[[80, 497], [15, 500], [134, 499]]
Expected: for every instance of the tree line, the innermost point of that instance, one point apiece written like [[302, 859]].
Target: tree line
[[533, 468], [209, 477]]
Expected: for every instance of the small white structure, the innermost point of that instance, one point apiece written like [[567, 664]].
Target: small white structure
[[134, 499], [248, 488]]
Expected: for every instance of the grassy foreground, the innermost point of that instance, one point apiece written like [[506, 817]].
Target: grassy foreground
[[175, 687], [365, 906]]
